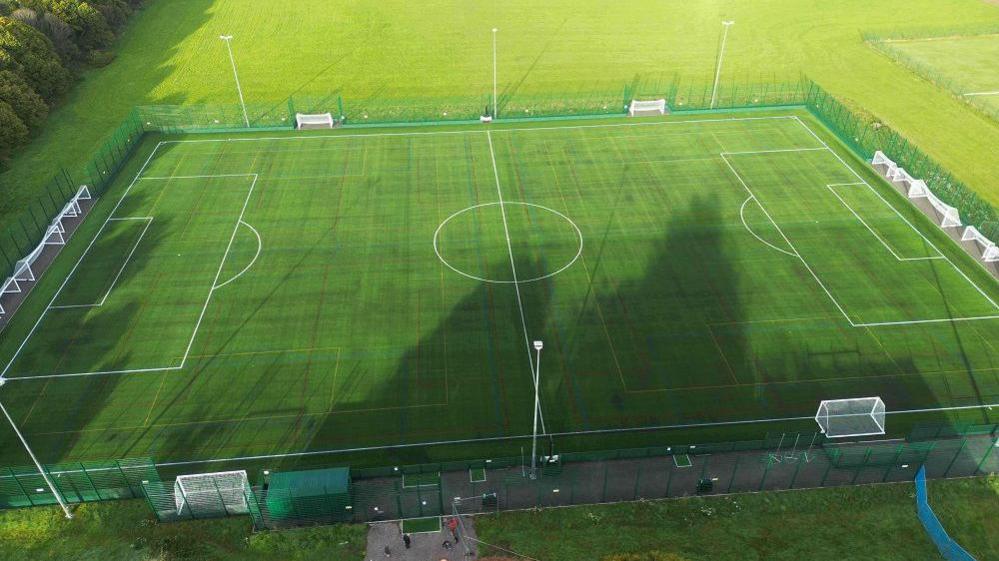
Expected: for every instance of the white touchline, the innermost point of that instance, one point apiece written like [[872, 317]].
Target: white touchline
[[513, 267], [459, 132], [308, 453], [970, 94]]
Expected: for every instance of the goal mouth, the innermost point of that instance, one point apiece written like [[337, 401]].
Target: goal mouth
[[314, 121], [212, 494], [852, 417], [647, 108]]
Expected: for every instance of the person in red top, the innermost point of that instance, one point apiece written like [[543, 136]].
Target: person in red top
[[452, 524]]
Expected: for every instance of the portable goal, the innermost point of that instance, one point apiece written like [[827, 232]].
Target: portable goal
[[990, 251], [842, 418], [313, 121], [646, 108], [204, 495]]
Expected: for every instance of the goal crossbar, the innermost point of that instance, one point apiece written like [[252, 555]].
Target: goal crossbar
[[212, 494], [843, 418], [647, 107], [314, 120]]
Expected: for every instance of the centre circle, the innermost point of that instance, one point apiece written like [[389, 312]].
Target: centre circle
[[508, 242]]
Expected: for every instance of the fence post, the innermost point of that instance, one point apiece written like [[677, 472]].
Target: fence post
[[766, 470], [638, 477], [90, 481], [826, 474], [964, 442], [21, 487], [603, 493], [735, 470], [988, 452], [794, 477]]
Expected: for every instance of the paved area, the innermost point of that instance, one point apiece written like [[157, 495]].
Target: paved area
[[427, 546]]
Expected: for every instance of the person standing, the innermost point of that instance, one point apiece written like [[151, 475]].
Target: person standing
[[406, 540], [452, 525]]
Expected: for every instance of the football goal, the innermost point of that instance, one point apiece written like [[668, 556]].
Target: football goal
[[842, 418], [646, 108], [313, 121], [990, 251], [204, 495]]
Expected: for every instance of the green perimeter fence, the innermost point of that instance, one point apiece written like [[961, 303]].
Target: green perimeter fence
[[885, 44], [863, 135], [776, 462]]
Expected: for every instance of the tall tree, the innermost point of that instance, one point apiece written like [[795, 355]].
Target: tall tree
[[30, 55]]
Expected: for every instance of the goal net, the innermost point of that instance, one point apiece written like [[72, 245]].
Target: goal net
[[212, 494], [314, 121], [862, 416], [645, 108], [990, 251]]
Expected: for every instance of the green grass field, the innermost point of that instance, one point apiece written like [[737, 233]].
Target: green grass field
[[396, 49], [871, 522], [255, 295], [966, 65]]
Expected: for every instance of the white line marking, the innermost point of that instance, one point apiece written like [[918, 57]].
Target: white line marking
[[579, 235], [208, 300], [513, 270], [124, 218], [116, 277], [787, 240], [169, 177], [875, 191], [512, 129], [775, 151], [260, 246], [178, 463], [78, 261], [750, 230], [918, 321], [875, 234], [981, 93]]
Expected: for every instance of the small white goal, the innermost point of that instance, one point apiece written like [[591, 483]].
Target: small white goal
[[202, 495], [314, 120], [859, 416], [647, 108]]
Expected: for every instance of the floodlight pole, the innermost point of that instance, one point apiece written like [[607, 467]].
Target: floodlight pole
[[41, 470], [239, 89], [495, 89], [721, 55], [538, 345]]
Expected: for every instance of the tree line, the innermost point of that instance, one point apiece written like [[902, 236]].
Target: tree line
[[43, 46]]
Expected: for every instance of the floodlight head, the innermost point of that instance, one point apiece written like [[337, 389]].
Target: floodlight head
[[730, 22], [225, 37], [495, 30], [538, 345]]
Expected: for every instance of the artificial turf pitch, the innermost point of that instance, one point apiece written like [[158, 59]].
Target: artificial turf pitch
[[253, 295]]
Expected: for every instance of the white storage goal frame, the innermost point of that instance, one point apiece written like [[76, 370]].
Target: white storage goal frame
[[648, 107], [222, 493], [314, 121], [858, 416]]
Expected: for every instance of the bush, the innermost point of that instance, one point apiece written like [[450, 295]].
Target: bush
[[27, 105], [13, 131], [29, 54]]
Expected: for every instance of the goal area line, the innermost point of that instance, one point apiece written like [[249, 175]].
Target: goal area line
[[112, 218]]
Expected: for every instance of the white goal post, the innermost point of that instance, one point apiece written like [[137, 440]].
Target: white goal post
[[990, 251], [916, 189], [314, 121], [645, 108], [859, 416], [221, 493]]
